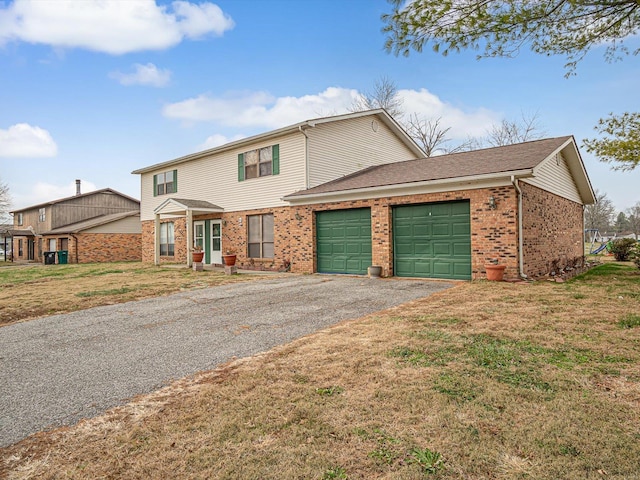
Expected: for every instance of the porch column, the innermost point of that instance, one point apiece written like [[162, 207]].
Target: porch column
[[189, 228], [156, 240]]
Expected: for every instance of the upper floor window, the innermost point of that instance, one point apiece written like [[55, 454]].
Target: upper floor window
[[19, 219], [261, 162], [42, 214], [165, 182]]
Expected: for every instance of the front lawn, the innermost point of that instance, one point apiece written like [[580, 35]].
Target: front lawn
[[481, 381]]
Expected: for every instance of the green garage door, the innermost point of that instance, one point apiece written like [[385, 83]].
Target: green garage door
[[432, 240], [344, 241]]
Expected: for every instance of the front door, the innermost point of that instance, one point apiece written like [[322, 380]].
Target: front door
[[31, 249], [216, 241]]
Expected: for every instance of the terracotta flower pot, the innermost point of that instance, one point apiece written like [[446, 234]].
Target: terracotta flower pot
[[197, 256], [495, 272], [229, 260]]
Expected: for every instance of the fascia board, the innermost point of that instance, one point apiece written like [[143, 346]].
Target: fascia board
[[416, 188]]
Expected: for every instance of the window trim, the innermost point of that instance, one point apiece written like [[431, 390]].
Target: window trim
[[170, 247], [262, 238], [157, 184], [275, 163]]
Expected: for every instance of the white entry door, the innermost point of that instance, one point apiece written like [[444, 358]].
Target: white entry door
[[216, 241]]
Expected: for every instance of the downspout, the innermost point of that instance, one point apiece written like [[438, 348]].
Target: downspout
[[306, 157], [514, 181]]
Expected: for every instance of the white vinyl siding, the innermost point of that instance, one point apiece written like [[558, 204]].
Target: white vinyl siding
[[554, 176], [124, 225], [340, 148], [215, 179]]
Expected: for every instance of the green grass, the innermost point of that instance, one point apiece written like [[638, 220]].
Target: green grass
[[629, 321], [98, 293]]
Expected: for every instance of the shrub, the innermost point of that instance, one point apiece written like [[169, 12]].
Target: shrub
[[636, 255], [623, 248]]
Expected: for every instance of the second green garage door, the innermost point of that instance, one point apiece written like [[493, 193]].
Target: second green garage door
[[432, 240], [343, 241]]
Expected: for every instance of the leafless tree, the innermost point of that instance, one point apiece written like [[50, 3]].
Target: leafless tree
[[5, 200], [599, 215], [384, 95], [427, 133], [509, 132], [633, 216]]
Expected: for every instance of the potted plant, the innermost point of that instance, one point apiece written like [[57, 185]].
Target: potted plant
[[197, 253], [495, 272], [229, 257]]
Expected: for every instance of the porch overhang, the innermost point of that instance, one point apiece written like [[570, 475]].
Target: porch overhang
[[182, 207]]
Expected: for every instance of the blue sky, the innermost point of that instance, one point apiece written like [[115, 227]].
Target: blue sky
[[93, 90]]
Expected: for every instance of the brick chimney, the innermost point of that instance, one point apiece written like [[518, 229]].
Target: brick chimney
[[78, 187]]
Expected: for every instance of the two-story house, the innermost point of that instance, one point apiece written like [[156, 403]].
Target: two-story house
[[99, 226], [338, 194]]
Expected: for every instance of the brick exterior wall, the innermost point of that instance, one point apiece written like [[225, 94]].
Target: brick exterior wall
[[493, 231], [100, 247], [553, 232]]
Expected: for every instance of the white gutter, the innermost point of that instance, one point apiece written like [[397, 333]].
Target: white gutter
[[514, 181]]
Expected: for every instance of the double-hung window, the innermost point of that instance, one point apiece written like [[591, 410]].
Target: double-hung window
[[19, 219], [260, 235], [165, 183], [42, 214], [261, 162], [167, 239]]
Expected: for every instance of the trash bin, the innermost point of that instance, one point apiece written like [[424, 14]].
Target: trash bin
[[49, 258], [62, 257]]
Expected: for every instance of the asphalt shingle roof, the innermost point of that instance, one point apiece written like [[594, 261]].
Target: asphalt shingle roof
[[521, 156]]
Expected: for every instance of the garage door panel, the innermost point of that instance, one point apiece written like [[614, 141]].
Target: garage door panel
[[461, 249], [462, 229], [422, 268], [422, 248], [439, 242], [442, 269], [441, 229], [343, 241], [442, 249]]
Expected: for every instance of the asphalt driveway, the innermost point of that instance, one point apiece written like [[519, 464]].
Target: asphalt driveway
[[59, 369]]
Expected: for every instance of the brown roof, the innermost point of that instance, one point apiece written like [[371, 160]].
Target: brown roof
[[509, 158], [93, 222], [88, 194]]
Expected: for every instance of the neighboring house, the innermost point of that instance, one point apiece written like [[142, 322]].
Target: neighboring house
[[99, 226], [338, 194], [5, 241]]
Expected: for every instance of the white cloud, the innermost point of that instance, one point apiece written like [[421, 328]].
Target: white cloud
[[25, 141], [42, 192], [463, 123], [262, 110], [216, 140], [110, 26], [147, 74]]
